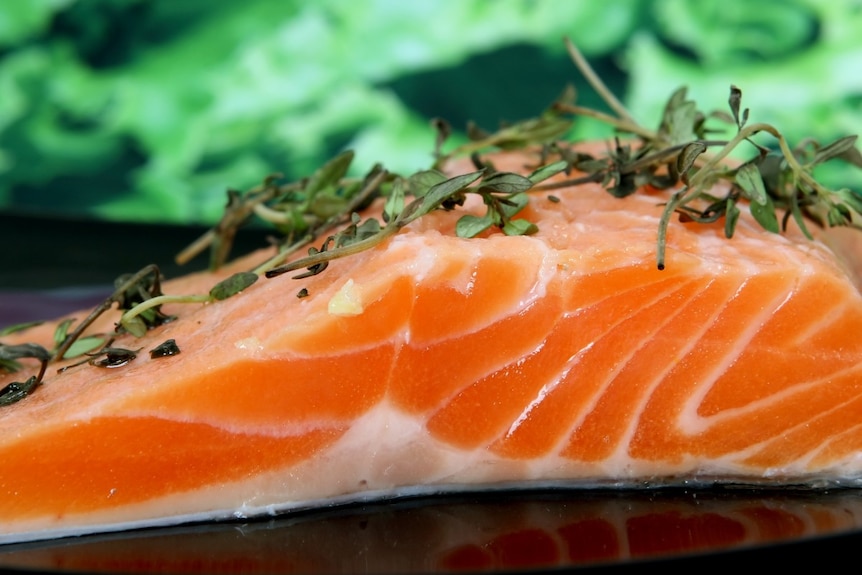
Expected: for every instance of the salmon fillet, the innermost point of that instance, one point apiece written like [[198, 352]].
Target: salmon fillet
[[434, 363]]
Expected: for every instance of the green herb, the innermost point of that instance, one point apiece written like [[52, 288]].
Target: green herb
[[79, 346], [299, 210], [107, 357], [165, 349], [18, 327], [16, 391], [113, 357], [232, 285], [131, 291], [783, 181], [679, 155], [84, 345], [9, 356], [675, 155], [433, 191]]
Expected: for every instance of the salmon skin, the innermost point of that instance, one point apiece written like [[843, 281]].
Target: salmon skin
[[434, 363]]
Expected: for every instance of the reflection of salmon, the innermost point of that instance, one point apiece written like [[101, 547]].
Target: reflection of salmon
[[433, 363], [504, 532]]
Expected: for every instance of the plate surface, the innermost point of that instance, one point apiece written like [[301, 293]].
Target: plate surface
[[520, 531]]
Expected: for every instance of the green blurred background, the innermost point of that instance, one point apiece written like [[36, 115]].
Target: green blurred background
[[148, 110]]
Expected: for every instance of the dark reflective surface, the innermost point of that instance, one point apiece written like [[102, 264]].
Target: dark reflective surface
[[499, 532]]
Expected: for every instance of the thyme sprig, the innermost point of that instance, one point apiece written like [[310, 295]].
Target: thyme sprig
[[130, 291], [551, 125], [770, 182], [503, 193], [672, 156], [299, 210], [681, 155]]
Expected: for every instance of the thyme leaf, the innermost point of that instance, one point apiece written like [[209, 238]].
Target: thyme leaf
[[506, 183], [735, 101], [84, 345], [395, 202], [842, 148], [679, 119], [329, 175], [470, 226], [9, 354], [16, 391], [111, 357], [18, 327], [447, 194], [748, 178], [765, 215], [544, 172], [61, 331], [687, 157], [519, 228], [24, 350], [419, 183], [167, 348], [232, 285], [731, 214], [131, 291]]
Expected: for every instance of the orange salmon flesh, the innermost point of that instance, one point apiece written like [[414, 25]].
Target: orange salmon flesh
[[435, 363]]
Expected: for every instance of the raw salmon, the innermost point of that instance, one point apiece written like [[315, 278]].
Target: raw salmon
[[434, 363]]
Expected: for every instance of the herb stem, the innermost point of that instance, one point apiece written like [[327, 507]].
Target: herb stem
[[597, 83], [568, 183], [232, 218], [343, 251], [665, 155], [746, 133], [371, 186], [196, 247], [160, 300], [367, 190], [621, 124], [103, 307], [794, 164], [270, 215], [669, 209], [707, 169], [282, 255], [692, 190]]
